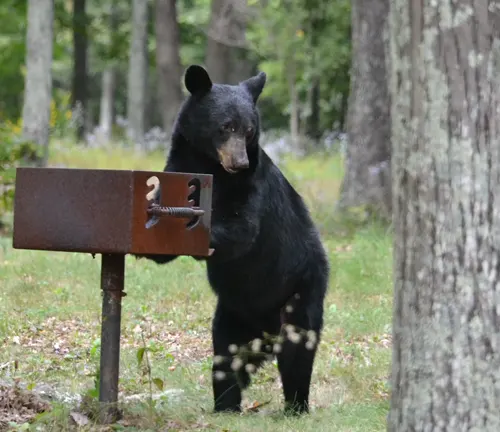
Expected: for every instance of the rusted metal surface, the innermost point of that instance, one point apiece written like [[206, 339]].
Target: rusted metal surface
[[112, 284], [172, 235], [106, 211], [72, 210]]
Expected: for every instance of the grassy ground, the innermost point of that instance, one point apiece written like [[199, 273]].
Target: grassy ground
[[50, 324]]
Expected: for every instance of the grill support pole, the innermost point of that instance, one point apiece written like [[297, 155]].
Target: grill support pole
[[112, 285]]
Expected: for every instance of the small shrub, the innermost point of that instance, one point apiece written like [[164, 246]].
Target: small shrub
[[13, 151]]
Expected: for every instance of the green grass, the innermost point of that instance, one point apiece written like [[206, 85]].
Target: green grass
[[50, 323], [113, 157]]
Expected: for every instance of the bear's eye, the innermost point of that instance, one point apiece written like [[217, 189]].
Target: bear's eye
[[227, 128], [249, 133]]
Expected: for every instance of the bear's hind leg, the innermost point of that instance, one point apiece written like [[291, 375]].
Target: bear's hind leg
[[303, 322], [229, 374]]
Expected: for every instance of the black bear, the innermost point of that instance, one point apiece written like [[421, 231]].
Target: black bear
[[269, 269]]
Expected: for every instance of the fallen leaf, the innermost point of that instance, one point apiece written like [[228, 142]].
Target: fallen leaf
[[255, 406], [79, 418]]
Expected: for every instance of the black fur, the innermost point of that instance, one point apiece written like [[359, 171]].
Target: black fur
[[267, 250]]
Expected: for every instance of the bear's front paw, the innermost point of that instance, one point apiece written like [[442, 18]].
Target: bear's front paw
[[158, 259]]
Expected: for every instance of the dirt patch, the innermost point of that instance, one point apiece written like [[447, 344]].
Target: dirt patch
[[19, 406], [55, 338]]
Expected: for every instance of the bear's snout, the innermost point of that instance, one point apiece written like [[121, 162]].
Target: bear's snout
[[233, 155]]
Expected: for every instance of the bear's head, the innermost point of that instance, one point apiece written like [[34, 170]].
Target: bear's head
[[220, 120]]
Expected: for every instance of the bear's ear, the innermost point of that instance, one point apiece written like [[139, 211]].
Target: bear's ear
[[197, 80], [255, 85]]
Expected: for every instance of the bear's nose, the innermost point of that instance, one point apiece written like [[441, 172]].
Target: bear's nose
[[240, 164]]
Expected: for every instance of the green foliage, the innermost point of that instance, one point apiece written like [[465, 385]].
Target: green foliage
[[109, 32], [12, 52], [12, 152], [62, 118], [301, 41], [293, 40], [15, 151], [193, 16]]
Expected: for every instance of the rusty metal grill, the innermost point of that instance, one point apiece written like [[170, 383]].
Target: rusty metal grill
[[114, 213]]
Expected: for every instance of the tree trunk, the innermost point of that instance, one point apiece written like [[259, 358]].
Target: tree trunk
[[79, 85], [138, 71], [108, 83], [107, 101], [294, 104], [217, 54], [38, 81], [168, 62], [240, 67], [446, 173], [314, 24], [367, 173], [313, 130], [225, 58]]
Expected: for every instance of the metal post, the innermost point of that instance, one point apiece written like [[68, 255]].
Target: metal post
[[112, 284]]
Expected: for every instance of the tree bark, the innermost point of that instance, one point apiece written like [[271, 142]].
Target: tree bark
[[79, 84], [108, 83], [38, 81], [138, 71], [240, 68], [106, 108], [446, 185], [367, 173], [168, 62], [294, 103], [314, 24], [313, 128], [225, 57]]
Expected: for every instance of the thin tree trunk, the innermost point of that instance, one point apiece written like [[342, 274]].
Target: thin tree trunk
[[313, 130], [294, 104], [38, 81], [367, 179], [168, 62], [446, 173], [314, 24], [107, 100], [79, 85], [138, 71], [89, 118], [108, 83]]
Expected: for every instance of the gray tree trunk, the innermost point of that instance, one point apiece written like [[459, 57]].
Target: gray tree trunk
[[108, 83], [168, 62], [446, 174], [313, 120], [79, 79], [225, 57], [107, 100], [294, 103], [314, 22], [38, 81], [367, 172], [138, 71]]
